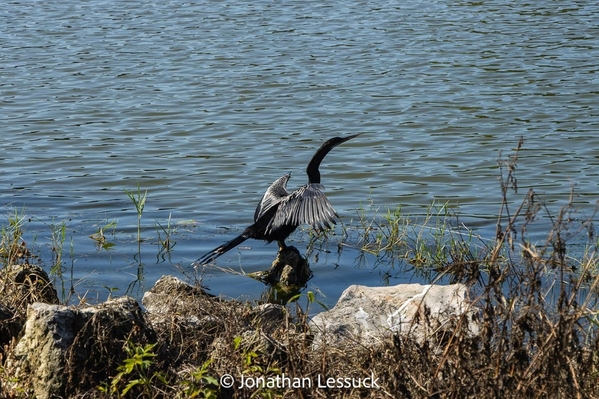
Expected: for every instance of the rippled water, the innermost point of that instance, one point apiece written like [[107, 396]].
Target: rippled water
[[205, 103]]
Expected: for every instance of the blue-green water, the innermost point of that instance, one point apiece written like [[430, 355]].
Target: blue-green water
[[204, 104]]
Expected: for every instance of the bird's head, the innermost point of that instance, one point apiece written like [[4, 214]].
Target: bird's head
[[335, 141], [312, 169]]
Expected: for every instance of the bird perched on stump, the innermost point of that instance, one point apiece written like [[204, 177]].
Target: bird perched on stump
[[280, 212]]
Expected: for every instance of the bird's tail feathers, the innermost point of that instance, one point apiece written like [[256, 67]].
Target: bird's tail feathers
[[216, 252]]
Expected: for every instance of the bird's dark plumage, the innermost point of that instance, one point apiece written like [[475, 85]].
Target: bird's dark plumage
[[280, 212]]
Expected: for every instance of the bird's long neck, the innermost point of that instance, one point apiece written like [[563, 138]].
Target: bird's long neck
[[312, 169]]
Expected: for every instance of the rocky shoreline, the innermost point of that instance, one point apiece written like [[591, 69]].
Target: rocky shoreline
[[51, 350]]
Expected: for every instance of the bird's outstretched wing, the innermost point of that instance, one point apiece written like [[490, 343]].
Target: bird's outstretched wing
[[273, 195], [306, 205]]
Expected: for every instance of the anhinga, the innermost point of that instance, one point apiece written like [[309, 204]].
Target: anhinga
[[280, 212]]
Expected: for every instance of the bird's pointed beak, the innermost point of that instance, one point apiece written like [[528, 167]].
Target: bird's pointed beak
[[344, 139]]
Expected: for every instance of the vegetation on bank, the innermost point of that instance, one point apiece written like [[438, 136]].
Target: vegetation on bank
[[537, 301]]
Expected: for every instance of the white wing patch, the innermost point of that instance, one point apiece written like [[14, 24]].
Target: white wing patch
[[306, 205], [273, 195]]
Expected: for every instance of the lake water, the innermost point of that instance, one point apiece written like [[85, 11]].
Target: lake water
[[204, 104]]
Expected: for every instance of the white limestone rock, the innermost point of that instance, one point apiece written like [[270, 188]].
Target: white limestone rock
[[370, 315]]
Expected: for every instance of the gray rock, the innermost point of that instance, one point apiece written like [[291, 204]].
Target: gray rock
[[51, 338], [171, 300], [26, 284], [174, 302], [170, 295], [368, 316], [21, 285]]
